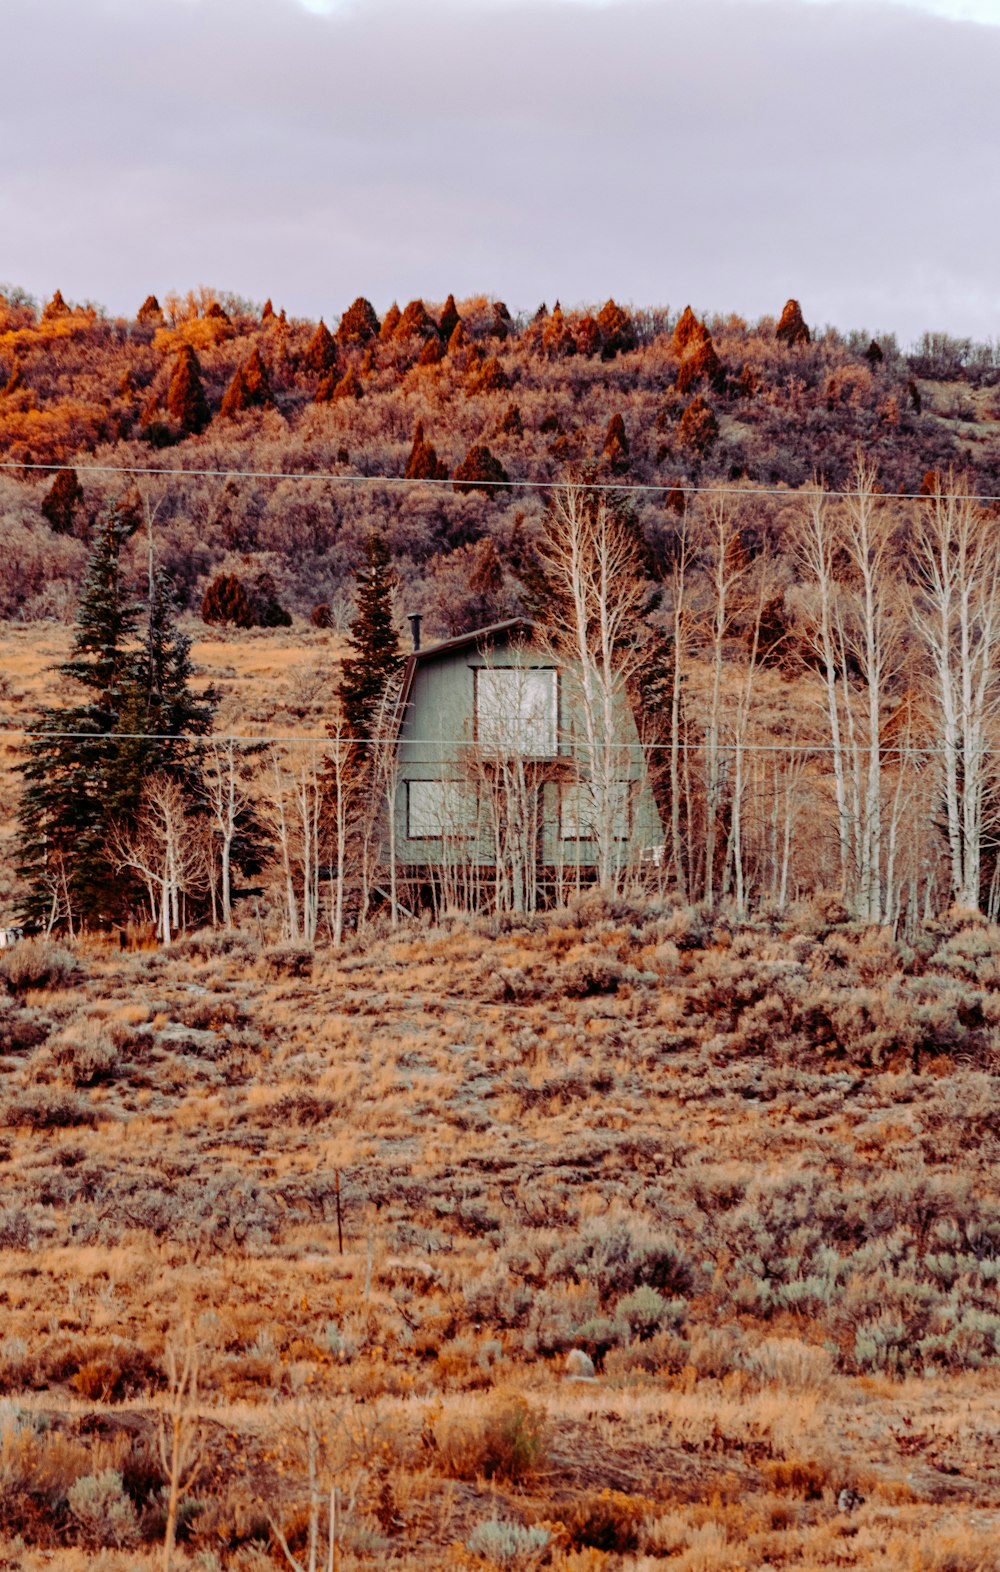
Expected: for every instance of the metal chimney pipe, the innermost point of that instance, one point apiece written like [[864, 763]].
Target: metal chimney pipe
[[415, 618]]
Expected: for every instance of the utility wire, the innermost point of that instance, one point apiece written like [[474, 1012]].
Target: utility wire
[[401, 481], [216, 738]]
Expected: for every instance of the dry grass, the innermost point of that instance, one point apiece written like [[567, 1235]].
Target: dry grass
[[722, 1225]]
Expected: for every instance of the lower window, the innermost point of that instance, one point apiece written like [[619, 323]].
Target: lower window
[[440, 810]]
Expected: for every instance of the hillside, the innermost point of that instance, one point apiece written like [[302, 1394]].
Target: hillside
[[750, 1170], [208, 382]]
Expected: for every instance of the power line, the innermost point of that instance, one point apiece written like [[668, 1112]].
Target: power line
[[886, 750], [401, 481]]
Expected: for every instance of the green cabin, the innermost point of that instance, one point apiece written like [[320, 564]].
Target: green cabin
[[504, 775]]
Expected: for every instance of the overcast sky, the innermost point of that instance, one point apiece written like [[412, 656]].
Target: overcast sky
[[729, 153]]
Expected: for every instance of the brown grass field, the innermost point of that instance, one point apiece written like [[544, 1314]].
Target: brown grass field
[[750, 1171]]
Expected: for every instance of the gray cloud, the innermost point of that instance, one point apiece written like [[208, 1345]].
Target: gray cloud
[[724, 152]]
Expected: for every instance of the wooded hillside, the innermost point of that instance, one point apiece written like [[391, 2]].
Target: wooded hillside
[[462, 392]]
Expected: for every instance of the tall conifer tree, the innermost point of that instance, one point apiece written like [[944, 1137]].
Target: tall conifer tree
[[374, 642], [85, 770]]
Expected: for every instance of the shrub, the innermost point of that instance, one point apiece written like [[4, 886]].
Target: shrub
[[615, 1261], [513, 1440], [42, 1109], [38, 963], [646, 1312], [86, 1052], [507, 1544], [226, 601], [104, 1512], [609, 1521]]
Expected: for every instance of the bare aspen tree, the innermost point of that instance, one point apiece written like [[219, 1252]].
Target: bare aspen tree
[[815, 540], [294, 805], [592, 561], [162, 851], [342, 784], [229, 794], [957, 615], [871, 632], [741, 721], [679, 625], [728, 567]]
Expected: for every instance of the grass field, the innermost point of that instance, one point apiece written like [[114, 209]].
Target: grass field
[[620, 1131]]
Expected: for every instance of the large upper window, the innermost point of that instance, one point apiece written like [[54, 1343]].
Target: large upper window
[[517, 710], [440, 810]]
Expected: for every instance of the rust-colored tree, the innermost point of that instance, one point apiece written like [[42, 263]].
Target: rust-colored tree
[[150, 312], [480, 471], [698, 429], [250, 387], [226, 601], [490, 377], [423, 463], [416, 322], [616, 446], [321, 350], [791, 327], [56, 308], [62, 502], [432, 353], [359, 324], [349, 385], [185, 399], [449, 319], [390, 322], [688, 328], [617, 329]]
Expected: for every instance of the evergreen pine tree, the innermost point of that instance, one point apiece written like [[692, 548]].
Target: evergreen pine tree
[[85, 770], [185, 396], [374, 642], [268, 312], [60, 504]]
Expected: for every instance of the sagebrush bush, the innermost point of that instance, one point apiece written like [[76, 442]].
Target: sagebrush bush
[[104, 1512], [508, 1545], [38, 963]]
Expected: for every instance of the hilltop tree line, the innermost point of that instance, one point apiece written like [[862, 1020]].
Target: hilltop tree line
[[460, 397]]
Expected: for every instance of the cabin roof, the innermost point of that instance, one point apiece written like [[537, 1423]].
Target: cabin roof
[[460, 641]]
